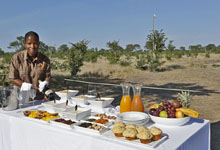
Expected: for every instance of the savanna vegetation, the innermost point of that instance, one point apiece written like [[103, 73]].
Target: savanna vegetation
[[71, 57]]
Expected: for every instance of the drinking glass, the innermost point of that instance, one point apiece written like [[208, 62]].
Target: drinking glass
[[3, 96], [32, 95], [91, 89], [19, 98]]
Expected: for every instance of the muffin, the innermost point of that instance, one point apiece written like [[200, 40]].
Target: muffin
[[156, 132], [145, 136], [141, 129], [130, 134], [130, 126], [118, 131], [120, 124]]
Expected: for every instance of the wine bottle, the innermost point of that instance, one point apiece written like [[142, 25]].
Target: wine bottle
[[49, 93]]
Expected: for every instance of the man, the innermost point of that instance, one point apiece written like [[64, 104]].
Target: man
[[29, 67]]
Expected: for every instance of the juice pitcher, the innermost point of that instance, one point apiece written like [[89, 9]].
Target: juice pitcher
[[137, 104], [125, 104]]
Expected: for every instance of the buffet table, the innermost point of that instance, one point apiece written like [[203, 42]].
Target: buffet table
[[19, 133]]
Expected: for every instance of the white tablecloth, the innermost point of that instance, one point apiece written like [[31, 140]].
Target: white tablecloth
[[18, 133]]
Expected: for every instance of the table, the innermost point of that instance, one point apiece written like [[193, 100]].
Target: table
[[18, 133]]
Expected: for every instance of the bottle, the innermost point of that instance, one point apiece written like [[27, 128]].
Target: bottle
[[125, 104], [137, 104], [49, 93]]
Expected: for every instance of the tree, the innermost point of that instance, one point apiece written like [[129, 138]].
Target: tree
[[76, 56], [210, 47], [62, 51], [132, 47], [159, 39], [195, 47], [115, 51], [18, 45], [155, 44], [1, 52], [182, 48]]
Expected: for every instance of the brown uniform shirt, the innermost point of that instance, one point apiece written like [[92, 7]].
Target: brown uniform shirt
[[30, 71]]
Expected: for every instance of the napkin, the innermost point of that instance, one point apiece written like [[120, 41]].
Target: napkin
[[25, 92], [42, 84], [112, 110], [26, 86]]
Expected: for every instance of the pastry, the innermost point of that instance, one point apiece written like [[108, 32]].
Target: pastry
[[130, 134], [141, 129], [118, 131], [156, 132], [145, 136], [132, 126], [121, 124]]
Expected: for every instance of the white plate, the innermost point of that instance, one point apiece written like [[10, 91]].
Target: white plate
[[170, 121], [136, 142], [133, 117], [87, 130]]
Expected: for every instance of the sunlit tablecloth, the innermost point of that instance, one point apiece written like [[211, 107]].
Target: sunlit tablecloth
[[18, 133]]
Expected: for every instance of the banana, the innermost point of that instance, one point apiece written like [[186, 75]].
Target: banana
[[189, 112]]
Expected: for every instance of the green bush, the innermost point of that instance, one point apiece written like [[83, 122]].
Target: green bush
[[125, 63]]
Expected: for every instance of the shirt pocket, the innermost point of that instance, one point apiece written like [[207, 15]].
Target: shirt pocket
[[24, 75], [41, 74]]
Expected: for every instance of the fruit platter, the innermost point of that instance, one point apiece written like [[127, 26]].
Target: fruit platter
[[171, 113]]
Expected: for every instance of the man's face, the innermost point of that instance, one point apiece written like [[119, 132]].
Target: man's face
[[32, 45]]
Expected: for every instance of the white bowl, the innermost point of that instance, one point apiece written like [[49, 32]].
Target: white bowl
[[62, 107], [77, 115], [170, 121], [49, 106], [81, 100], [96, 103], [64, 95]]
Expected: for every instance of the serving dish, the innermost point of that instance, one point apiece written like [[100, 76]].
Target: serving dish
[[40, 116], [135, 142], [91, 128], [66, 94], [78, 114], [81, 100], [100, 103], [101, 121], [63, 122], [63, 107], [49, 106], [170, 121]]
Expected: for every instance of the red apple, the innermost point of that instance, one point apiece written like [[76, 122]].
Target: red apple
[[176, 104], [179, 114]]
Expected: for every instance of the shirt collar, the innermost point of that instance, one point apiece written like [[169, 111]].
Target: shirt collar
[[27, 58]]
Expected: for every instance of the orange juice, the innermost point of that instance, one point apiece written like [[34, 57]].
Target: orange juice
[[125, 104], [137, 104]]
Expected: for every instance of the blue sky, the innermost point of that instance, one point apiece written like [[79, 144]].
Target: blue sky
[[186, 22]]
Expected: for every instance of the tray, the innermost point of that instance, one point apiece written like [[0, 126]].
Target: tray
[[109, 123], [61, 124], [87, 130], [136, 142]]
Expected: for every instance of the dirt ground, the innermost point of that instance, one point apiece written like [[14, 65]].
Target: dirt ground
[[198, 74]]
